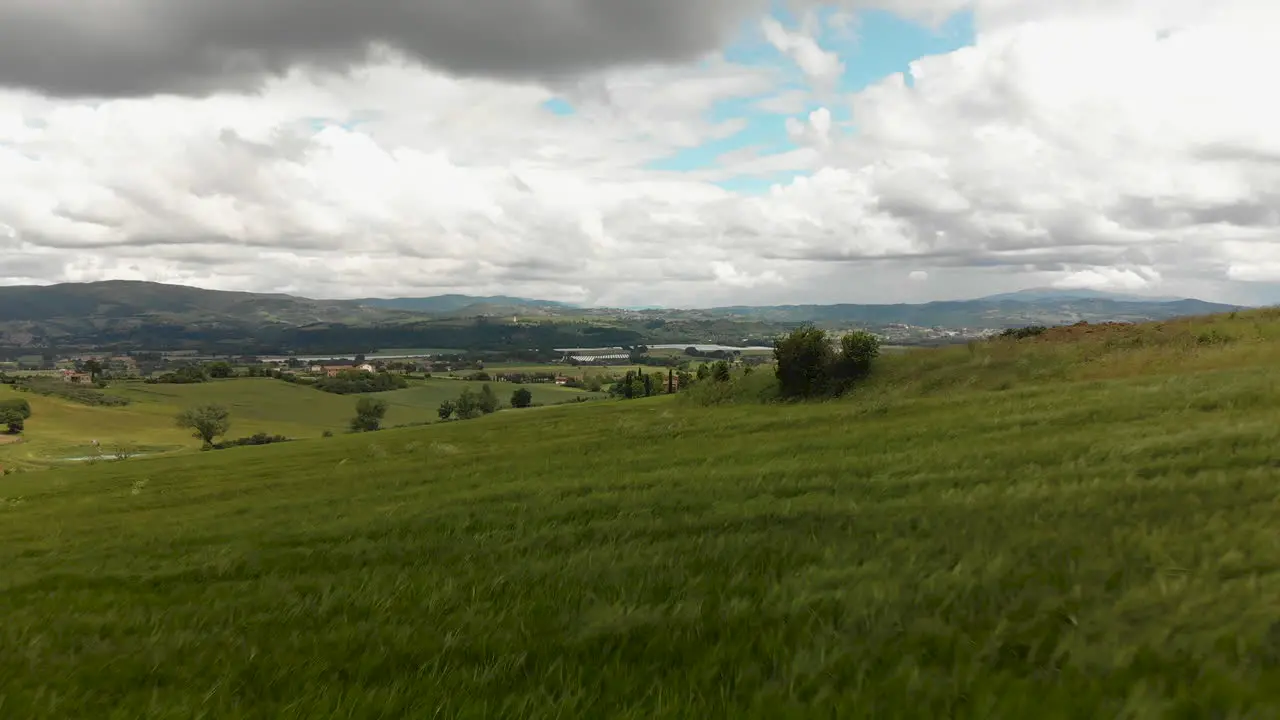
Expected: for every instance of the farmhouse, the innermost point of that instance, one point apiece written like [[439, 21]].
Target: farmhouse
[[335, 370]]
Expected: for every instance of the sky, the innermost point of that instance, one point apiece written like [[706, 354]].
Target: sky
[[676, 153]]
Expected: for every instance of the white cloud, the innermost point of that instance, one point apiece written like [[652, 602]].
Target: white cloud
[[1122, 145], [822, 67], [1109, 279]]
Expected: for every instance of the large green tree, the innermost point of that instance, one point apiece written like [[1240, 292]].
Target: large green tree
[[521, 398], [206, 422], [369, 414], [803, 359]]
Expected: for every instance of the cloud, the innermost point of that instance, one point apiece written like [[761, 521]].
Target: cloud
[[141, 47], [1148, 161], [1109, 279], [822, 67]]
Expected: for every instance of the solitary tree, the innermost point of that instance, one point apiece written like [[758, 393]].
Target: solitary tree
[[206, 422], [369, 415], [521, 398]]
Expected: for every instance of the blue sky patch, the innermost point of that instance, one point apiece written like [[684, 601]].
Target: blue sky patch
[[559, 106], [878, 45]]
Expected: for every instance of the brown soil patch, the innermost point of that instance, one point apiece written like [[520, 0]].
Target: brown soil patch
[[1085, 331], [10, 439]]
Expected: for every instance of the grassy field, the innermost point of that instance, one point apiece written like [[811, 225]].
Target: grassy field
[[60, 429], [1074, 527]]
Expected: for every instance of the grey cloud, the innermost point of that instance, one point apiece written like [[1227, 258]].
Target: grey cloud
[[146, 47]]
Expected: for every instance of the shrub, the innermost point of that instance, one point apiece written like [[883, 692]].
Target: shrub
[[446, 410], [359, 383], [853, 362], [809, 366], [521, 398], [70, 391], [255, 439], [720, 372], [1023, 332]]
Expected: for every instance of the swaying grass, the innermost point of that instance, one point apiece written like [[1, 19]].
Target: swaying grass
[[1099, 544]]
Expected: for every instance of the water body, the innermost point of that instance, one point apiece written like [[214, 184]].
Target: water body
[[673, 346]]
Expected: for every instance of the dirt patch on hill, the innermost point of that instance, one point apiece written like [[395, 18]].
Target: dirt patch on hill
[[10, 439], [1085, 331]]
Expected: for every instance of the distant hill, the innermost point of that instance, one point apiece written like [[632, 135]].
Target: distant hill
[[450, 304], [141, 315], [1009, 311], [125, 299], [1058, 294]]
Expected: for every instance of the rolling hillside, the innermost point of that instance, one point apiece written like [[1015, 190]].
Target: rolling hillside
[[136, 315], [1076, 525], [118, 299], [61, 429], [463, 304]]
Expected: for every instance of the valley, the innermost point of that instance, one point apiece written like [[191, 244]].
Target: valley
[[1007, 528]]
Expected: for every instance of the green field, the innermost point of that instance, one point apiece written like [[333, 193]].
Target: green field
[[1079, 527], [60, 429]]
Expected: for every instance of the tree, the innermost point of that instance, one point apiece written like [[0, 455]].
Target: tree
[[720, 371], [467, 405], [369, 415], [447, 409], [803, 358], [521, 398], [94, 368], [12, 419], [19, 405], [704, 372], [221, 369], [206, 422], [488, 401]]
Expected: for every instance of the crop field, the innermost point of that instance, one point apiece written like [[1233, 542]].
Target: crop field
[[1067, 527], [61, 430]]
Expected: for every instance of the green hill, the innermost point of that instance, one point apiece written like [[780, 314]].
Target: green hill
[[1080, 524], [60, 429]]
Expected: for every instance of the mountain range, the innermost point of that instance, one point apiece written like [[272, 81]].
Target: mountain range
[[130, 314]]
